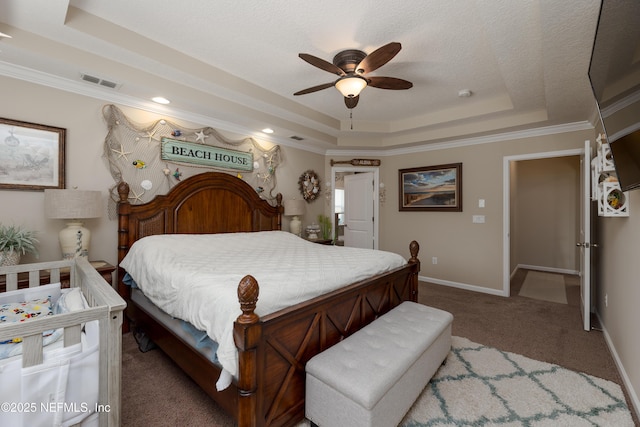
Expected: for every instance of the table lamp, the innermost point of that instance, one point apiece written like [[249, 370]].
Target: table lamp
[[294, 208], [73, 205]]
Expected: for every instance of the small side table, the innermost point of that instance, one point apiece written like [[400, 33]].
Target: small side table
[[322, 241], [104, 268]]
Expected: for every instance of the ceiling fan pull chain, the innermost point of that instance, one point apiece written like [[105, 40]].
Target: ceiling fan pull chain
[[351, 117]]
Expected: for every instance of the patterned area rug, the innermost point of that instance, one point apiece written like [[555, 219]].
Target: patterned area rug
[[483, 386]]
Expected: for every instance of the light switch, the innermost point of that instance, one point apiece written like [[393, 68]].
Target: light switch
[[481, 203]]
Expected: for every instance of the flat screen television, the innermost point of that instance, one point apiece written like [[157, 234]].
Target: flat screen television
[[614, 74]]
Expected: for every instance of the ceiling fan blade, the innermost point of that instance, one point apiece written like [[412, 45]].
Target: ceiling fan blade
[[378, 57], [322, 64], [314, 89], [389, 83], [351, 102]]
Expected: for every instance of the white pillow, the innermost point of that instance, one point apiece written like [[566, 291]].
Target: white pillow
[[71, 300]]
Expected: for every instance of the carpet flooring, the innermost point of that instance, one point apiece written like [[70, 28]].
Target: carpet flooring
[[156, 392], [544, 286]]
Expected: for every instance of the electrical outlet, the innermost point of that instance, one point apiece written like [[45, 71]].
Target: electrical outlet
[[434, 260]]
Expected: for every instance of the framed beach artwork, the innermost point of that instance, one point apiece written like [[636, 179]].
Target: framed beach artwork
[[31, 156], [431, 188]]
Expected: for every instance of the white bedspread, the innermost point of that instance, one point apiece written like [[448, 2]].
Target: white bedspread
[[195, 277]]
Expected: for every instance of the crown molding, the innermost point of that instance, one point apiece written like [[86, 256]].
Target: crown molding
[[107, 95], [488, 139]]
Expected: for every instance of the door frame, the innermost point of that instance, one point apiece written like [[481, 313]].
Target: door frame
[[376, 195], [506, 206]]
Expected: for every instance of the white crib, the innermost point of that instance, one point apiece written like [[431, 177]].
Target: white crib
[[97, 330]]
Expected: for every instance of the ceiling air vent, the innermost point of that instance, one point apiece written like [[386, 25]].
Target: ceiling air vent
[[98, 81], [297, 138]]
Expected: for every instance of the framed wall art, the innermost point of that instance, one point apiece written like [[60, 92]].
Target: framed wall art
[[31, 156], [431, 188]]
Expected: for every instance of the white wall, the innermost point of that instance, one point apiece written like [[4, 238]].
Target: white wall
[[619, 282]]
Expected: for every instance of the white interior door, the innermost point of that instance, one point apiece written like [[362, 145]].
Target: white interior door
[[585, 236], [358, 210]]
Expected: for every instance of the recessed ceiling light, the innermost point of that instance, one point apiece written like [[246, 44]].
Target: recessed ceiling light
[[267, 130], [160, 100]]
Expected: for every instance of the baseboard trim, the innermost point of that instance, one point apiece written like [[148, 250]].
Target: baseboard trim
[[548, 269], [465, 286], [623, 373]]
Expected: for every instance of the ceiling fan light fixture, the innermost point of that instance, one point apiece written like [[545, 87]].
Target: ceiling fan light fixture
[[351, 86]]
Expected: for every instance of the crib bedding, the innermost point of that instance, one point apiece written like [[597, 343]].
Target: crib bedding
[[66, 381], [47, 300], [195, 277], [67, 375]]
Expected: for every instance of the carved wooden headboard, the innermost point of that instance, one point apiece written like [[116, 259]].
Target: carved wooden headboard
[[208, 203]]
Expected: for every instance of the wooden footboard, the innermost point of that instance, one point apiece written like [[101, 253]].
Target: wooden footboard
[[105, 305], [273, 350]]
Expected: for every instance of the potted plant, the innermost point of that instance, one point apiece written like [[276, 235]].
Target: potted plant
[[14, 242], [325, 226]]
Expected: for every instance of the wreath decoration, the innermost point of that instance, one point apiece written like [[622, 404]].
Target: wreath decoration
[[309, 185]]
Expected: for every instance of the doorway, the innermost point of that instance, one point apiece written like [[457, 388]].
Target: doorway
[[579, 197], [336, 173]]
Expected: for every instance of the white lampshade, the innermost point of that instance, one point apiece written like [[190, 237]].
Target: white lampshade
[[73, 205], [351, 87], [294, 208]]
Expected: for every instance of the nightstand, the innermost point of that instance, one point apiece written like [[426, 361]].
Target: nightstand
[[104, 268], [321, 241]]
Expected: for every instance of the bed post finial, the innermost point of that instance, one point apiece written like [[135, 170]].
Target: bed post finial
[[280, 211], [414, 248], [248, 296], [123, 191]]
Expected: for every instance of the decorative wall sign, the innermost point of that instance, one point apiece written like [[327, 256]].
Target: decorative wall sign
[[134, 155], [207, 155], [357, 162], [431, 188], [31, 156], [309, 185]]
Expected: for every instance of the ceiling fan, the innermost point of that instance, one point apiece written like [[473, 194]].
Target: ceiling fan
[[352, 66]]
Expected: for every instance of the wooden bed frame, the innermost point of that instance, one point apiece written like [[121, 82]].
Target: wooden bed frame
[[272, 350], [105, 305]]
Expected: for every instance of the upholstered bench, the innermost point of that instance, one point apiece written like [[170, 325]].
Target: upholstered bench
[[372, 377]]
